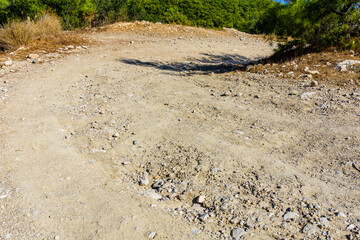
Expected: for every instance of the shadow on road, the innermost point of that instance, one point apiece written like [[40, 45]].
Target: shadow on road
[[208, 64]]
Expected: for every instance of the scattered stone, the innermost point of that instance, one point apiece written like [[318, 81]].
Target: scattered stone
[[195, 231], [307, 70], [293, 92], [4, 196], [203, 217], [3, 89], [84, 47], [350, 227], [152, 235], [290, 216], [324, 221], [343, 66], [314, 83], [135, 142], [236, 233], [307, 95], [35, 61], [144, 182], [309, 229], [151, 193], [70, 47], [200, 199], [341, 214], [8, 63], [227, 93], [158, 184], [32, 56]]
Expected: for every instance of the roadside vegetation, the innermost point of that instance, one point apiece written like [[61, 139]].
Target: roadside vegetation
[[301, 24], [19, 33]]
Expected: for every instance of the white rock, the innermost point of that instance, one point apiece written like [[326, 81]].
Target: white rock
[[306, 95], [236, 233], [3, 196], [32, 56], [350, 227], [306, 69], [144, 182], [151, 193], [3, 89], [152, 235], [341, 214], [324, 221], [314, 84], [200, 199], [290, 216], [195, 231], [8, 62], [309, 229], [343, 66]]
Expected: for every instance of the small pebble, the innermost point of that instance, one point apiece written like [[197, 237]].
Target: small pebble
[[152, 235], [236, 233], [200, 199]]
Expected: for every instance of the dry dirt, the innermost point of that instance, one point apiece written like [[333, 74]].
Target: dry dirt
[[162, 103]]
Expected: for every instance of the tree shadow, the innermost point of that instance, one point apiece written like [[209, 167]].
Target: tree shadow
[[208, 64]]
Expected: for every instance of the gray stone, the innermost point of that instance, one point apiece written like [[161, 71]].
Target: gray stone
[[203, 217], [350, 227], [290, 216], [3, 89], [32, 56], [195, 231], [324, 221], [236, 233], [151, 193], [309, 229], [293, 92], [341, 214], [152, 235], [343, 66], [227, 93], [200, 199], [314, 84], [144, 182], [8, 63], [307, 95], [158, 184]]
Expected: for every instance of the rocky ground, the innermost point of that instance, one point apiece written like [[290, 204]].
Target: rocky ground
[[152, 133]]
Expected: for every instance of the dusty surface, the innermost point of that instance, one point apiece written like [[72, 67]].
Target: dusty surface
[[80, 133]]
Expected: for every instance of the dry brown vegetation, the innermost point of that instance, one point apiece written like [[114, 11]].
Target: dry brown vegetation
[[16, 34]]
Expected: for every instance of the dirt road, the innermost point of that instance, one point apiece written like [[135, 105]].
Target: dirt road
[[85, 138]]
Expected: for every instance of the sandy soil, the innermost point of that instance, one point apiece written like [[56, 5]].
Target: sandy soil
[[82, 135]]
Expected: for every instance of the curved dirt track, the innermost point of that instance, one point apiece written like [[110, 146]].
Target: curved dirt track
[[80, 132]]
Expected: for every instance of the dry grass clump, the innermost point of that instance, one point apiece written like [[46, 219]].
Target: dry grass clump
[[16, 34]]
